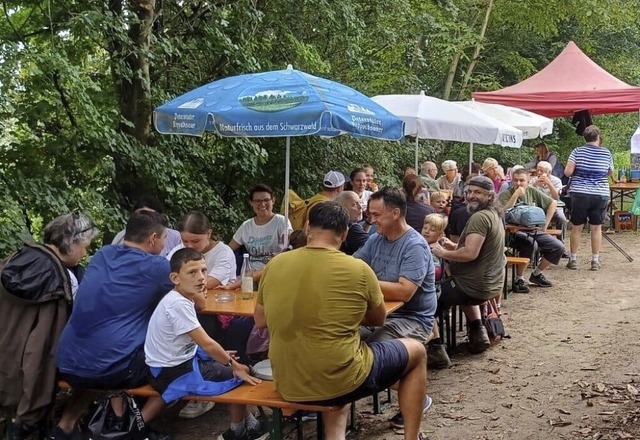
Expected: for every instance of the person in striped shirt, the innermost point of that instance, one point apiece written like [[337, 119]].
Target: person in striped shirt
[[589, 167]]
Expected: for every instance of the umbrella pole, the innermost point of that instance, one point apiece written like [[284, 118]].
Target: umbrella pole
[[470, 157], [286, 191], [417, 145]]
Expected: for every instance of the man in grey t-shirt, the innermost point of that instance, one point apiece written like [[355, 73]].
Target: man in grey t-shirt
[[402, 262], [477, 261]]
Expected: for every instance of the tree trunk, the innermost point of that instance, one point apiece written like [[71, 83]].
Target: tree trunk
[[476, 52], [134, 90], [451, 76]]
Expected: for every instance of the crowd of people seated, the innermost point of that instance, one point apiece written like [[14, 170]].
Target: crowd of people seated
[[133, 316]]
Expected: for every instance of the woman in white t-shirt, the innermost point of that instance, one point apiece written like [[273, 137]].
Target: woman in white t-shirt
[[196, 233], [262, 235]]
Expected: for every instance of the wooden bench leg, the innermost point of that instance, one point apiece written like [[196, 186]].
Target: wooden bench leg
[[319, 427], [505, 291], [453, 328], [353, 422], [275, 427]]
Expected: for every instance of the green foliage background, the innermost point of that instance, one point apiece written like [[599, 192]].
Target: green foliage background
[[78, 80]]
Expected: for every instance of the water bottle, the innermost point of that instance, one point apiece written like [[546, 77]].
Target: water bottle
[[247, 278]]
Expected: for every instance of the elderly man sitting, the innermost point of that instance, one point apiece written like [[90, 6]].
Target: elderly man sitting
[[551, 186]]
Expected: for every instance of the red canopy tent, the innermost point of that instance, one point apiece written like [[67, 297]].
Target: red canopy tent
[[571, 82]]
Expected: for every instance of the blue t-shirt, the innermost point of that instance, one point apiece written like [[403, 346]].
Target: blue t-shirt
[[408, 257], [591, 175], [111, 311]]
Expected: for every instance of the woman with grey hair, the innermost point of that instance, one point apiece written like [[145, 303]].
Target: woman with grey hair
[[452, 183], [37, 284]]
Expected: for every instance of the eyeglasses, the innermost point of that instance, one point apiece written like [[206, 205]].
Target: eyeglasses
[[261, 201]]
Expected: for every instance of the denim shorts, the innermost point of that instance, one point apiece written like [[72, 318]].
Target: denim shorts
[[390, 360]]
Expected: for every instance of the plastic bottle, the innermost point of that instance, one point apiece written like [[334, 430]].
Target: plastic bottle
[[247, 278]]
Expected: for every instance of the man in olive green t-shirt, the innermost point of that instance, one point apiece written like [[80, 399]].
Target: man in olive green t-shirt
[[477, 261], [313, 300]]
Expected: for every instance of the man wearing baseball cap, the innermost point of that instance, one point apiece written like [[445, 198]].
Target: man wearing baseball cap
[[477, 261], [332, 185]]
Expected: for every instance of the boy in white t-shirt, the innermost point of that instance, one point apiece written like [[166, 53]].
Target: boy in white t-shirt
[[171, 348]]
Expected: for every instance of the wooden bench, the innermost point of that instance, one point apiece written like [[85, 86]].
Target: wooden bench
[[513, 262], [262, 395]]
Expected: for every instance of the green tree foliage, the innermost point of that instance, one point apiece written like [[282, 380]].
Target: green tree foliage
[[79, 80]]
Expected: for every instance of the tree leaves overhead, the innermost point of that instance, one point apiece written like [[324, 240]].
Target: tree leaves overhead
[[79, 80]]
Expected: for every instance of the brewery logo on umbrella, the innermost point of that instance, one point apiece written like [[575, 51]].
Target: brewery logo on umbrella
[[271, 101]]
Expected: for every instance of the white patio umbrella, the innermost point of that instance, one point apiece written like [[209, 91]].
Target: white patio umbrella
[[531, 124], [426, 117]]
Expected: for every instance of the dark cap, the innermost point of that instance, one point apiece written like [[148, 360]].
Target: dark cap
[[482, 182]]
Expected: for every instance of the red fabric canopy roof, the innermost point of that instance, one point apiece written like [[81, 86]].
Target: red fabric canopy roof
[[570, 83]]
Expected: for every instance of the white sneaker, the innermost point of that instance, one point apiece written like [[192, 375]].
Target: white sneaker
[[195, 409]]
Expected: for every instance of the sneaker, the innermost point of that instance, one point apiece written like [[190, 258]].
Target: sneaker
[[195, 409], [595, 265], [397, 421], [478, 340], [437, 357], [572, 264], [539, 280], [309, 415], [230, 434], [520, 286]]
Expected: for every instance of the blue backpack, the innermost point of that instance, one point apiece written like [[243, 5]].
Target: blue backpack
[[525, 215]]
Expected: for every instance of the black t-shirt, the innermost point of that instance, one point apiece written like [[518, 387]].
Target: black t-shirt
[[457, 221], [356, 238]]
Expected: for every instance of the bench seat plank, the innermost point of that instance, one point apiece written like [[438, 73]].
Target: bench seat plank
[[263, 394]]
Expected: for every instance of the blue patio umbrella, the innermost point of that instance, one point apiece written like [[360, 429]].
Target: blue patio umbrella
[[282, 103]]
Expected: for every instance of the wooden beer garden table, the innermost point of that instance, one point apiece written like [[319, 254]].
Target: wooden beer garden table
[[620, 191], [246, 307]]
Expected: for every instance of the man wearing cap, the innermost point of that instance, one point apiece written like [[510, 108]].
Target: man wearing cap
[[476, 262], [332, 185], [550, 247]]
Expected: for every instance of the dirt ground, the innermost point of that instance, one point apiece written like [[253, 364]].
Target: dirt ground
[[571, 369]]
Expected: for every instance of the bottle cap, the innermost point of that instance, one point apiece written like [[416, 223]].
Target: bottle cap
[[245, 255]]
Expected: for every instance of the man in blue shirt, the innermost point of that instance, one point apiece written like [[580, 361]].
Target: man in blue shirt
[[402, 262], [102, 346]]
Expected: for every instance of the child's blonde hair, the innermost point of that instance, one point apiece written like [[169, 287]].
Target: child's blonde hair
[[436, 221], [438, 195]]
